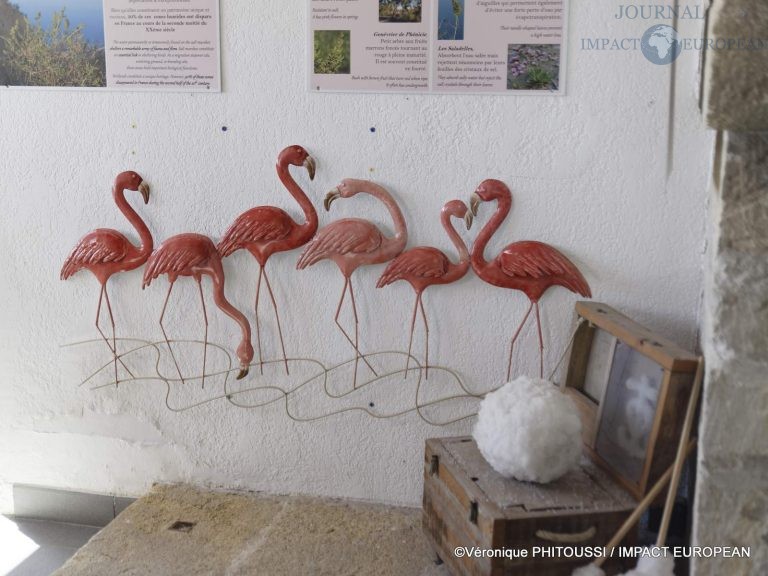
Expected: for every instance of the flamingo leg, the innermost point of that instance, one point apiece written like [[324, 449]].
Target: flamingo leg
[[410, 339], [357, 348], [277, 319], [205, 338], [104, 336], [347, 284], [426, 337], [514, 338], [541, 342], [167, 342], [258, 326], [114, 336], [357, 335]]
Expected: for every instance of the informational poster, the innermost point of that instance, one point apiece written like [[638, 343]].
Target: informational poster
[[437, 46], [112, 44]]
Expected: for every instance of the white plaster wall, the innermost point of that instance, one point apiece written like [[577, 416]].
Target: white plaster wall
[[591, 173]]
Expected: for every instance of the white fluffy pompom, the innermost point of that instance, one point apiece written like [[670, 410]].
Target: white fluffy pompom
[[529, 430]]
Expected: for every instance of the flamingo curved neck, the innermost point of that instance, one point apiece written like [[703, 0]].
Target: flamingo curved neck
[[400, 239], [145, 236], [457, 241], [478, 250], [225, 306], [308, 229]]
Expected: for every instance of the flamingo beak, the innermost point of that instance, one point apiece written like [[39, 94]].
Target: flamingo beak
[[243, 372], [468, 219], [311, 166], [474, 204], [144, 189], [330, 197]]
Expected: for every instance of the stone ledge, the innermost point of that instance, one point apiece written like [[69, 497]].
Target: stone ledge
[[181, 530]]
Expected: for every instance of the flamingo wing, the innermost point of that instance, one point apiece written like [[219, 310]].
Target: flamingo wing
[[99, 247], [420, 262], [537, 261], [174, 260], [347, 236], [257, 225]]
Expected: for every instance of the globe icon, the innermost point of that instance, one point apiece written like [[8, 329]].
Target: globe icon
[[660, 44]]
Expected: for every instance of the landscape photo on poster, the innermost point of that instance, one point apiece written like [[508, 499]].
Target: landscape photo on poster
[[52, 43], [400, 11]]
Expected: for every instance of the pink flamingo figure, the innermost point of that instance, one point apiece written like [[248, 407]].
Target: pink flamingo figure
[[105, 252], [353, 242], [527, 266], [425, 266], [195, 255], [265, 230]]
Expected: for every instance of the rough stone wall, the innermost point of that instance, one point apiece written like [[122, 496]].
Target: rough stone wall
[[736, 64], [732, 499]]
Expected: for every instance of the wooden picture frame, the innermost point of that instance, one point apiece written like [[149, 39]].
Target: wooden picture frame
[[631, 387]]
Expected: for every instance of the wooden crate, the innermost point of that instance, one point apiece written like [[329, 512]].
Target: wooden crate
[[466, 503], [592, 378]]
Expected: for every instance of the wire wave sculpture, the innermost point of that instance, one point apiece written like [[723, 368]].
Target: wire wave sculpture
[[320, 376]]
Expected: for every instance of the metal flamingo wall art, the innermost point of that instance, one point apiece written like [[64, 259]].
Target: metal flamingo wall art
[[527, 266], [425, 266], [265, 230], [105, 252], [354, 242], [196, 255]]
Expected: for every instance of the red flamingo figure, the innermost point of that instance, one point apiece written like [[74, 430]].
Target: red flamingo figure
[[425, 266], [105, 252], [265, 230], [196, 255], [527, 266], [353, 242]]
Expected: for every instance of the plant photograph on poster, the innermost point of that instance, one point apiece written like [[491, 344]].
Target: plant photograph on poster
[[44, 43], [533, 66], [332, 52], [400, 11], [450, 18]]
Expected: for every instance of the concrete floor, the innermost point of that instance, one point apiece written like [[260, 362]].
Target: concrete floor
[[38, 547], [242, 534]]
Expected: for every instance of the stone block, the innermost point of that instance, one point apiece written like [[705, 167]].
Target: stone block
[[735, 79], [185, 530]]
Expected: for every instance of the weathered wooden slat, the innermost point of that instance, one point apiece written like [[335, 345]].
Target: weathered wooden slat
[[581, 489], [579, 360], [664, 351]]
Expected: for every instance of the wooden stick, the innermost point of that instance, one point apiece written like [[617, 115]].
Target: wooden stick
[[690, 415]]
